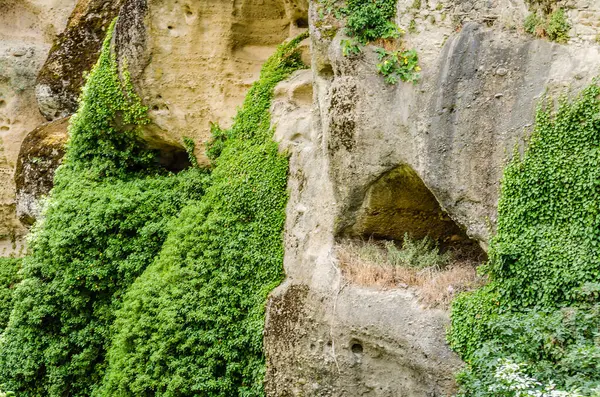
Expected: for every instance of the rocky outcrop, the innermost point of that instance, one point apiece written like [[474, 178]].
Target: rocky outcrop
[[41, 153], [454, 131], [73, 54], [27, 28], [192, 62]]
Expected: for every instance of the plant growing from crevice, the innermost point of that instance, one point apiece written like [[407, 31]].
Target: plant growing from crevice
[[372, 21], [548, 22], [402, 65]]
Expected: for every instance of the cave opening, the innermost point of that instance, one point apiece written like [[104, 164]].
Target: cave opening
[[400, 204], [172, 158]]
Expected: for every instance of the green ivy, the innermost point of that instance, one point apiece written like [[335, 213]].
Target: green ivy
[[9, 277], [106, 221], [544, 259], [192, 324]]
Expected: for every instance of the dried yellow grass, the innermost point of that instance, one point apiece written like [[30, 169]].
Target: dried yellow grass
[[366, 264]]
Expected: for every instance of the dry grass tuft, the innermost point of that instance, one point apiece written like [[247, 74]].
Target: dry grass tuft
[[437, 277]]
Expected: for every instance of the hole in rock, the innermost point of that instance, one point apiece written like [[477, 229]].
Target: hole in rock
[[169, 27], [399, 204], [173, 159], [301, 23], [2, 103], [357, 348]]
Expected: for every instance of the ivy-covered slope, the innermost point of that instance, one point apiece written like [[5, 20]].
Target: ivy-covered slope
[[192, 324], [106, 221], [540, 316], [9, 277]]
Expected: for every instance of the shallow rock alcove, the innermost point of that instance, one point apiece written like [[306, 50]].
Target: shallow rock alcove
[[399, 203]]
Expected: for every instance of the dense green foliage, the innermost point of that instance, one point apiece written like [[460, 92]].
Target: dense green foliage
[[371, 20], [9, 277], [192, 323], [541, 308], [105, 222]]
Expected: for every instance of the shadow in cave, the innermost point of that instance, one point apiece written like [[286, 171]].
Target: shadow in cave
[[399, 203], [172, 158]]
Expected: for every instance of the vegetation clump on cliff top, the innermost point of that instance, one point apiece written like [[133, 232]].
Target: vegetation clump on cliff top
[[547, 20], [369, 22], [539, 317]]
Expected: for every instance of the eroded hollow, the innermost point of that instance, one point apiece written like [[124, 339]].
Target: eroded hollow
[[174, 159], [400, 204]]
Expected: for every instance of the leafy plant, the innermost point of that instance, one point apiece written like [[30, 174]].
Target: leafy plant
[[192, 324], [532, 22], [9, 277], [371, 20], [350, 47], [554, 25], [542, 307], [419, 254], [105, 222], [400, 65], [558, 26]]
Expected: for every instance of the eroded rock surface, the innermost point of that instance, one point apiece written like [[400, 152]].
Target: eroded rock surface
[[41, 153], [74, 53], [455, 129], [27, 28], [192, 62]]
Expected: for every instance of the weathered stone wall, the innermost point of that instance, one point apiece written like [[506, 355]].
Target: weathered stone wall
[[73, 53], [27, 29], [482, 79], [192, 62]]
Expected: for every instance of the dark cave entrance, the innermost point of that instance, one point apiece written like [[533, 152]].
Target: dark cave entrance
[[399, 203], [172, 158]]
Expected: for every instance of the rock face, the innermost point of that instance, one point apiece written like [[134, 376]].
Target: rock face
[[454, 131], [74, 52], [41, 153], [27, 28], [366, 158], [192, 62]]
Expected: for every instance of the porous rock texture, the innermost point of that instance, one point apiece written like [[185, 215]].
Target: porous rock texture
[[41, 153], [192, 62], [482, 79], [73, 53], [27, 28]]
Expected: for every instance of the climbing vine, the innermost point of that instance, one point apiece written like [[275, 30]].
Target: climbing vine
[[9, 278], [192, 324], [105, 222], [541, 308]]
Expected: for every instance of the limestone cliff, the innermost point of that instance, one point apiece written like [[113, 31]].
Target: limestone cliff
[[367, 158], [482, 79], [27, 29]]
